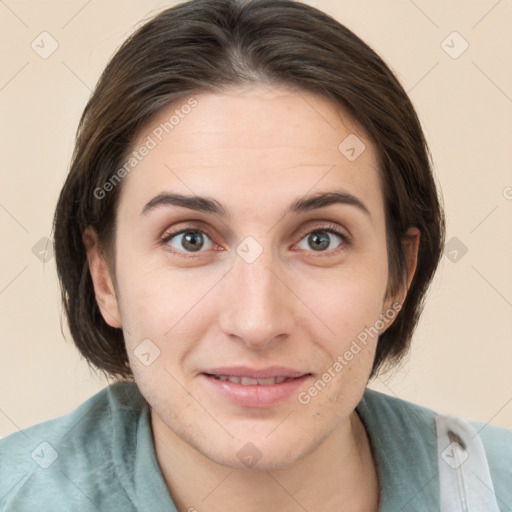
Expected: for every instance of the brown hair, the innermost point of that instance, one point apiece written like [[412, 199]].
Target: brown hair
[[205, 45]]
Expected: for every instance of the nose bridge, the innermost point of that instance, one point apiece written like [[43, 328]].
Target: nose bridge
[[258, 309]]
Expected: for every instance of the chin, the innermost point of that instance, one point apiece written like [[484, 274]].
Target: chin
[[250, 453], [250, 458]]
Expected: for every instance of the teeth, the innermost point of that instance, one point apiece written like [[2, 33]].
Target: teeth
[[249, 381], [264, 382]]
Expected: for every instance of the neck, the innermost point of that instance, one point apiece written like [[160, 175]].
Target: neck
[[339, 475]]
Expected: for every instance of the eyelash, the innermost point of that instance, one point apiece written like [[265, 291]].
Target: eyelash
[[345, 244]]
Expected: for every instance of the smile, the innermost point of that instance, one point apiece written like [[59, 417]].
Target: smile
[[249, 381], [254, 392]]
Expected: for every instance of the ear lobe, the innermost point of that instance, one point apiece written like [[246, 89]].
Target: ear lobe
[[104, 290]]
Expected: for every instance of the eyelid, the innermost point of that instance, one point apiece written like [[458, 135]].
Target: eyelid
[[190, 225], [329, 227]]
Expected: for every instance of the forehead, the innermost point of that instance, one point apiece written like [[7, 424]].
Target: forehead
[[253, 146]]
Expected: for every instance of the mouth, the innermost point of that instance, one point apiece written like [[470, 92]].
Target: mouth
[[250, 381], [248, 388]]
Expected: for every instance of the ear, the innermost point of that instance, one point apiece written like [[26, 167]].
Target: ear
[[410, 246], [103, 283]]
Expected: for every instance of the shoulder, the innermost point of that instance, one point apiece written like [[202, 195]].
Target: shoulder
[[410, 429], [497, 443], [496, 440], [56, 454]]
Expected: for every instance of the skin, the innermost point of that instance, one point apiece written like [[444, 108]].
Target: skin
[[255, 150]]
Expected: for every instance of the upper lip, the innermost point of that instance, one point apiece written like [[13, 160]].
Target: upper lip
[[261, 373]]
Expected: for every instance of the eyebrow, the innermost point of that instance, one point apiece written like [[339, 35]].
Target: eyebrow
[[208, 205]]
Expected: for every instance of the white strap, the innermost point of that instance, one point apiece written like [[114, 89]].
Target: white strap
[[464, 477]]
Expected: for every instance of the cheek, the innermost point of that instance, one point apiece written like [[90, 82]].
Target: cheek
[[151, 308], [159, 303], [347, 300]]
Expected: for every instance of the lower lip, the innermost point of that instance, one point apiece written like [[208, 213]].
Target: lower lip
[[255, 395]]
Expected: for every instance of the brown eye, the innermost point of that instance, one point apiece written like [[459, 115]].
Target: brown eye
[[324, 240], [188, 240]]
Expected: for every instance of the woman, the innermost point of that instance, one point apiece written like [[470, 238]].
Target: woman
[[245, 238]]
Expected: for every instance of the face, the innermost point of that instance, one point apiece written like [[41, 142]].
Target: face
[[254, 281]]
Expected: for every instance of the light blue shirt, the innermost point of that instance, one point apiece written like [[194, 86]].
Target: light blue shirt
[[101, 457]]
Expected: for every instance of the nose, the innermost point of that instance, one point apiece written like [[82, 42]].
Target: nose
[[258, 305]]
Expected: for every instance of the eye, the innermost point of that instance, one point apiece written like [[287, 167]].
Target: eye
[[188, 240], [321, 239]]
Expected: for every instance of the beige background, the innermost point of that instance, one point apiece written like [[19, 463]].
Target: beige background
[[462, 352]]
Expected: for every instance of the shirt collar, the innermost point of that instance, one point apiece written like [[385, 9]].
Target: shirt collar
[[403, 441]]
